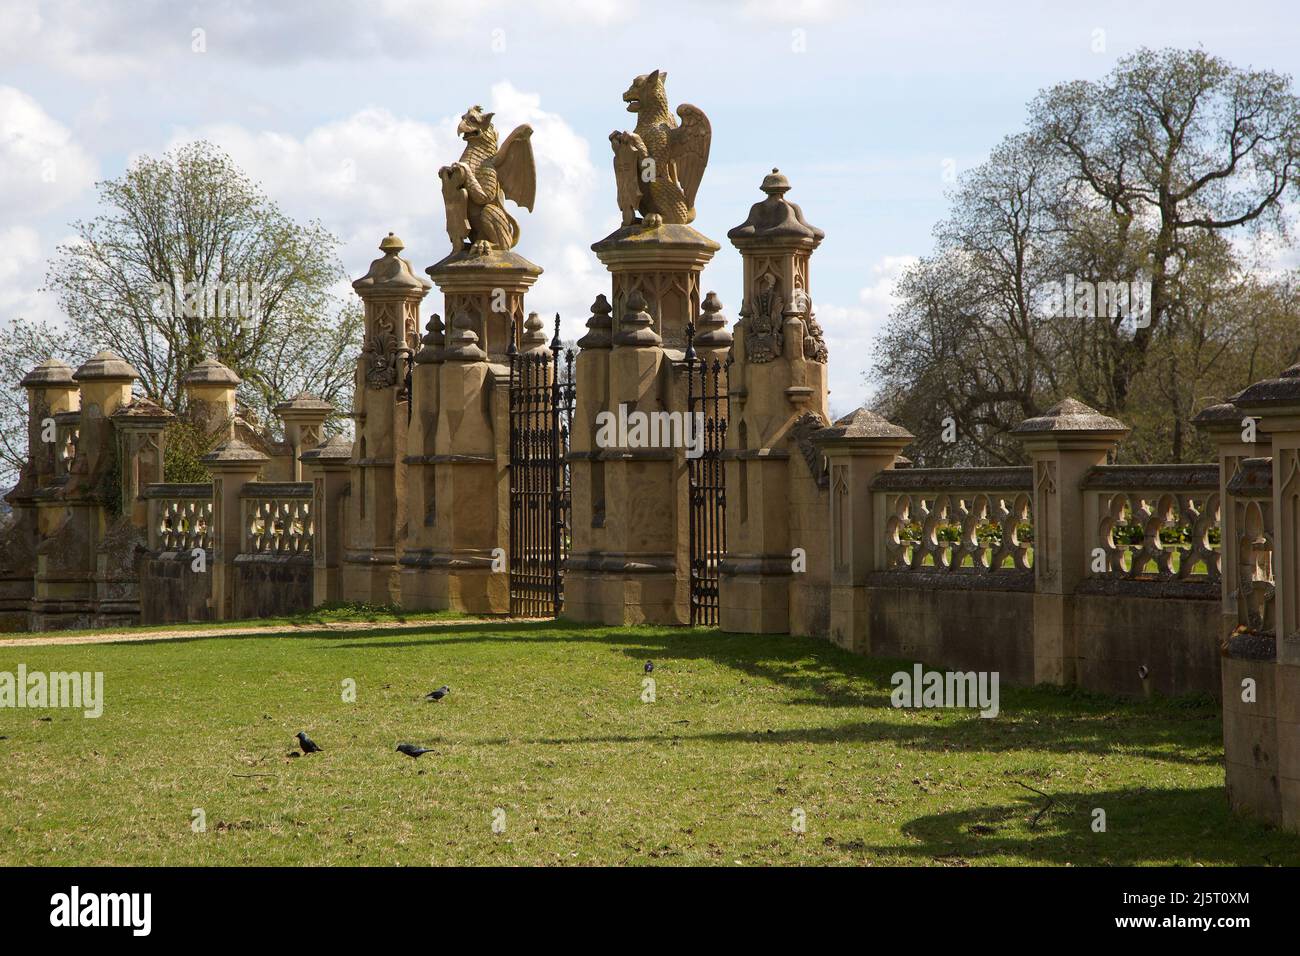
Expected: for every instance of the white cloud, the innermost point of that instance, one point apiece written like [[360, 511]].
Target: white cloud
[[104, 42], [851, 332], [22, 272], [797, 11], [41, 165]]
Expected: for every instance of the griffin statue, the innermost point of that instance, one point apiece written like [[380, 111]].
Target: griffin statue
[[658, 167], [476, 187]]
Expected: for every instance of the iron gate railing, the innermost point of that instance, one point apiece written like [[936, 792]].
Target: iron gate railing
[[541, 417], [706, 394]]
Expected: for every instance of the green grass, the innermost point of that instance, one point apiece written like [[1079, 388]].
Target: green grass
[[546, 722], [324, 614]]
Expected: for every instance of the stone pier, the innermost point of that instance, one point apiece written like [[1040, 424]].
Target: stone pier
[[775, 576], [377, 502]]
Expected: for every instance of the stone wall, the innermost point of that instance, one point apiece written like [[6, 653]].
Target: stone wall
[[171, 592]]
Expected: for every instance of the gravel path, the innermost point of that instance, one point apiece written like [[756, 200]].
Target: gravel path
[[127, 636]]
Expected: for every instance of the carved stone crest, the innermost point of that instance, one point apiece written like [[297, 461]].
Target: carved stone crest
[[802, 431], [764, 332]]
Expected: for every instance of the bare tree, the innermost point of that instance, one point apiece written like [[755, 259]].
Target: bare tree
[[190, 258]]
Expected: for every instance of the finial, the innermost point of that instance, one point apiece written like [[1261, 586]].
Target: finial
[[775, 184], [391, 244]]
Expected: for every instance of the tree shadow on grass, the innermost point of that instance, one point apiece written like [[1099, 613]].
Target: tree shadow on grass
[[1143, 739], [822, 675], [1143, 826]]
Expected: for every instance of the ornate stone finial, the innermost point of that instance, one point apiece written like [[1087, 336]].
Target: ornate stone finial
[[106, 366], [464, 346], [1223, 416], [390, 271], [712, 331], [1071, 416], [863, 426], [52, 372], [233, 450], [776, 217], [210, 372], [473, 187], [599, 326], [534, 337], [1283, 390], [432, 342], [675, 155], [637, 327], [337, 448]]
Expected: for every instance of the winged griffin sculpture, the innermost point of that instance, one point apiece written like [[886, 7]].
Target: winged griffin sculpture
[[475, 187], [658, 167]]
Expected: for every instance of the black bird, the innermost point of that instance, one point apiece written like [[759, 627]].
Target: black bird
[[438, 694], [308, 745], [412, 751], [649, 666]]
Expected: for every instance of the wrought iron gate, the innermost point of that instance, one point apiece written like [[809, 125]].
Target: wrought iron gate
[[709, 405], [541, 416]]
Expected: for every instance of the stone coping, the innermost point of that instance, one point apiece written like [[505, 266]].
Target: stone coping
[[495, 261], [275, 489], [1253, 479], [751, 454], [1195, 589], [449, 460], [178, 490], [941, 480], [1252, 646], [956, 580], [1179, 477], [665, 236], [257, 557]]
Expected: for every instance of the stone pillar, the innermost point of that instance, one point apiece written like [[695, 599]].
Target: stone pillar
[[629, 561], [327, 468], [463, 484], [304, 421], [582, 582], [1277, 403], [140, 431], [488, 288], [210, 389], [776, 478], [232, 464], [857, 448], [458, 450], [377, 510], [50, 391], [75, 520], [1226, 425], [1062, 444], [1261, 729]]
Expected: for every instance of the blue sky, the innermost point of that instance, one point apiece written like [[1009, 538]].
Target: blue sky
[[345, 111]]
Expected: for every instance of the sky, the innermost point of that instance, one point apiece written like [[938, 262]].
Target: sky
[[345, 111]]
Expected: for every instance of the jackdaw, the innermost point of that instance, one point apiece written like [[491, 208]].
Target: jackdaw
[[412, 751]]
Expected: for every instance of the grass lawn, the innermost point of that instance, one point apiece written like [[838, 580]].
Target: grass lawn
[[546, 722]]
